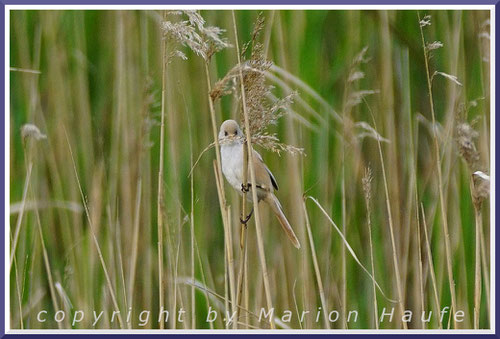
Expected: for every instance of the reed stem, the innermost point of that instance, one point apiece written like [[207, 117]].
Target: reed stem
[[437, 154], [260, 242], [160, 195]]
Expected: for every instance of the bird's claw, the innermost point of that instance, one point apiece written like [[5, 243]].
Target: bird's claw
[[245, 221], [245, 188]]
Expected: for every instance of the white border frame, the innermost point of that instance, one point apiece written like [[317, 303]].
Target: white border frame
[[491, 8]]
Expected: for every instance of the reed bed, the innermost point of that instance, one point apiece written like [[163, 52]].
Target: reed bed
[[376, 125]]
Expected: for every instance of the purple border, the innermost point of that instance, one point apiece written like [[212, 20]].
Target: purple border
[[213, 2], [249, 2], [2, 154], [253, 336]]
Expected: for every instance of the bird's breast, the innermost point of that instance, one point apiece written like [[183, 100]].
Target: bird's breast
[[232, 163]]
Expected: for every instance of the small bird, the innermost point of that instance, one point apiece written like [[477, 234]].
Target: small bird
[[231, 138]]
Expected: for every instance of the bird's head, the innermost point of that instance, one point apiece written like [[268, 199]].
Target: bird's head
[[230, 130]]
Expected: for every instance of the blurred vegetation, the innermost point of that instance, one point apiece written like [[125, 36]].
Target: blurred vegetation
[[97, 90]]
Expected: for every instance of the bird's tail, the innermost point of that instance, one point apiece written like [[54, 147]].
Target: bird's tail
[[278, 211]]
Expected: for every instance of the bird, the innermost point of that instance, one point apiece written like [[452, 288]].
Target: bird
[[231, 151]]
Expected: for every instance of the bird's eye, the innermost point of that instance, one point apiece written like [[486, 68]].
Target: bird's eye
[[225, 133]]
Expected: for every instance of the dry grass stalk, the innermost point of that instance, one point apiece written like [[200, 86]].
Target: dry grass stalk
[[477, 267], [230, 259], [220, 185], [486, 277], [31, 134], [425, 22], [316, 268], [349, 248], [226, 286], [18, 293], [243, 238], [305, 88], [246, 285], [479, 188], [391, 228], [229, 267], [420, 268], [218, 168], [344, 230], [367, 190], [191, 224], [346, 109], [122, 273], [24, 70], [260, 242], [135, 246], [47, 266], [216, 298], [258, 26], [431, 265], [243, 261], [160, 192], [204, 281], [20, 215]]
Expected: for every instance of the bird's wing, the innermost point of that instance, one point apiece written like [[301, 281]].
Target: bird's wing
[[260, 163], [273, 179]]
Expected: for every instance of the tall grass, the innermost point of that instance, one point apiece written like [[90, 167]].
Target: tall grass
[[129, 211]]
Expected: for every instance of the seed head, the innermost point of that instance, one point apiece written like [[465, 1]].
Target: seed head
[[367, 184], [31, 131], [466, 147]]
